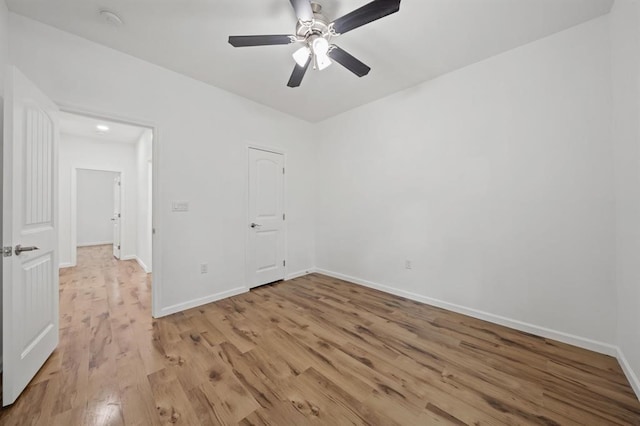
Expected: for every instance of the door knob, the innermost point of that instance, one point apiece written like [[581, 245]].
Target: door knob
[[20, 249], [255, 225]]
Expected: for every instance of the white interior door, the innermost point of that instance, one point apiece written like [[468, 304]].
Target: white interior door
[[30, 233], [265, 247], [117, 216]]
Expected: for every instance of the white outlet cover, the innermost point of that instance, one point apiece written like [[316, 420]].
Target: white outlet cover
[[180, 206]]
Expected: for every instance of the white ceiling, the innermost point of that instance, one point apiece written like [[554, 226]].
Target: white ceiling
[[427, 38], [79, 125]]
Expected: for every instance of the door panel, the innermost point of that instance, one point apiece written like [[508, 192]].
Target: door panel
[[266, 238], [266, 248], [36, 278], [30, 278], [268, 179], [38, 163]]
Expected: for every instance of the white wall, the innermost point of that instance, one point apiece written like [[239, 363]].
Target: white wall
[[4, 43], [144, 208], [625, 37], [95, 204], [4, 61], [494, 180], [81, 153], [203, 133]]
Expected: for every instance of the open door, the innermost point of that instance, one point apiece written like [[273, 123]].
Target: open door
[[117, 217], [30, 233]]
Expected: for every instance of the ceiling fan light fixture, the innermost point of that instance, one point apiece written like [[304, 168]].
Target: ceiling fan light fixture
[[301, 56], [322, 62], [316, 31], [320, 46]]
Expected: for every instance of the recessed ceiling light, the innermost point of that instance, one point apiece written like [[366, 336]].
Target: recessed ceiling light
[[111, 18], [102, 128]]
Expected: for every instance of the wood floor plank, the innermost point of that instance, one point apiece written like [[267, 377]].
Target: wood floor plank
[[209, 408], [318, 397], [172, 403], [250, 373], [315, 350], [138, 406]]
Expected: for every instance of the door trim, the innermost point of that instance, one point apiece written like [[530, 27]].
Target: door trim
[[74, 209], [250, 146], [156, 152]]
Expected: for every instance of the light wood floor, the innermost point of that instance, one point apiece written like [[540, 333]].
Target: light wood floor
[[314, 350]]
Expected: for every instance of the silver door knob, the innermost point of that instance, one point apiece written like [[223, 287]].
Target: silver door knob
[[20, 249], [255, 225]]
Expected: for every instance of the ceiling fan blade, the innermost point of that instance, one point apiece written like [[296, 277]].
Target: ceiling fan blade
[[348, 61], [298, 73], [368, 13], [260, 40], [303, 9]]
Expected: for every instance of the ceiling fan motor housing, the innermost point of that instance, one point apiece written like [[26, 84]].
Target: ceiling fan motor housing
[[319, 26]]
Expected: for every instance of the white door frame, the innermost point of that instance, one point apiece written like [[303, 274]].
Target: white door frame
[[156, 243], [247, 278], [74, 208]]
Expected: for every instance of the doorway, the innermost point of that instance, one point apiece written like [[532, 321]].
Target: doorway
[[266, 239], [37, 228], [98, 209], [118, 157]]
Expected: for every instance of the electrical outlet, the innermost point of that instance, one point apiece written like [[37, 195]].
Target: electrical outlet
[[204, 268], [407, 264]]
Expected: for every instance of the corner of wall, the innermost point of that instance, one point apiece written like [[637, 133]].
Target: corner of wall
[[628, 371], [624, 21]]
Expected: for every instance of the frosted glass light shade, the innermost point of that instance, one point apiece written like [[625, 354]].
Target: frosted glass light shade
[[320, 46], [322, 61], [301, 56]]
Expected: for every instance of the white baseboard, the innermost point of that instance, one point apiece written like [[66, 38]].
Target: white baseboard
[[128, 257], [142, 265], [66, 265], [201, 301], [99, 243], [299, 274], [628, 371], [582, 342]]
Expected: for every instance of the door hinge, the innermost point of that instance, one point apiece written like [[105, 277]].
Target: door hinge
[[283, 170], [118, 246], [7, 251], [283, 216], [284, 263]]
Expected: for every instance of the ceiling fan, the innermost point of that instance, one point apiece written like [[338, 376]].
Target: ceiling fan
[[316, 32]]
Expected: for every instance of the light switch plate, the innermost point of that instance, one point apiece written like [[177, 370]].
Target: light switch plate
[[180, 206]]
